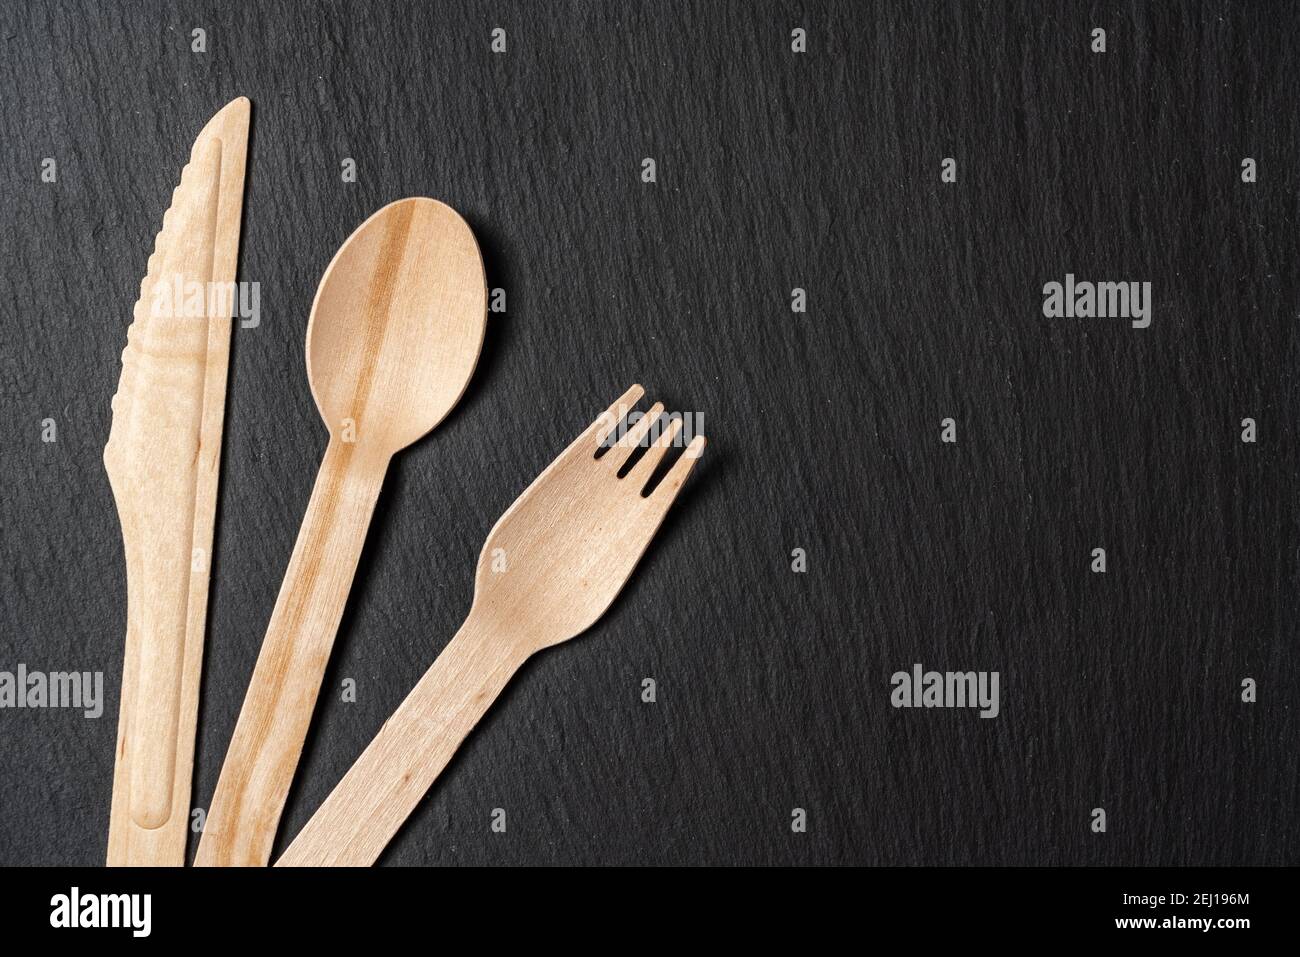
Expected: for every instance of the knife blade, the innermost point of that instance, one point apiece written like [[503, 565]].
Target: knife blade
[[162, 458]]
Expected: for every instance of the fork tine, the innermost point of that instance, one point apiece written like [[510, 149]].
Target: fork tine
[[609, 419], [672, 483], [588, 443], [642, 471], [633, 437]]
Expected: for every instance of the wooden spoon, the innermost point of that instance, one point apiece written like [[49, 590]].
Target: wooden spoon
[[394, 336]]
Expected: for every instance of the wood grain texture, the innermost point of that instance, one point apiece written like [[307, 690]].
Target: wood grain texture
[[550, 568], [163, 457], [775, 171], [393, 338]]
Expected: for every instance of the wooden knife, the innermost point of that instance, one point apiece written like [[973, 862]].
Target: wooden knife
[[162, 459]]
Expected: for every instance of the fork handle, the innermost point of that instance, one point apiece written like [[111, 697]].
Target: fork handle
[[272, 726], [383, 787]]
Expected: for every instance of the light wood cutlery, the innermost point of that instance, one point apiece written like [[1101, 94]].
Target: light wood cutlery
[[550, 568], [394, 336], [163, 458]]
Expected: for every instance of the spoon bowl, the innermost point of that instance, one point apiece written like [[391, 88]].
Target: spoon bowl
[[397, 325]]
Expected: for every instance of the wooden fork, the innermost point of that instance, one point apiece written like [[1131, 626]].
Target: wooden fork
[[552, 565]]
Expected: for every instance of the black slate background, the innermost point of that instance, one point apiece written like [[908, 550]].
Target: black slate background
[[775, 170]]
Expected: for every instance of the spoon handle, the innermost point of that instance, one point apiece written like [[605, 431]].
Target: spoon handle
[[383, 787], [272, 726]]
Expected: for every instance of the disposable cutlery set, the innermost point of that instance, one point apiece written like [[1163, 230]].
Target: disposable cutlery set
[[393, 338]]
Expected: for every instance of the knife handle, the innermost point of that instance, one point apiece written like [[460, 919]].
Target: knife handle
[[272, 726], [156, 630], [162, 461]]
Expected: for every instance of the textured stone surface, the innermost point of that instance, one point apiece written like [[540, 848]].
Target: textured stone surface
[[775, 171]]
